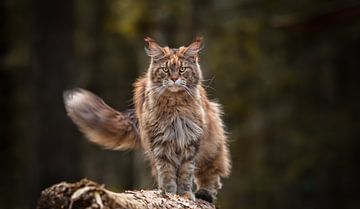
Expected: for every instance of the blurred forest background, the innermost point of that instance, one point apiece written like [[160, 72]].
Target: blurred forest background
[[287, 73]]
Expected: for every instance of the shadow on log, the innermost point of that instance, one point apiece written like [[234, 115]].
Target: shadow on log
[[86, 194]]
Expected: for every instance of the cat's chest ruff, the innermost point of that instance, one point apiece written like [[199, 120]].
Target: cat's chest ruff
[[179, 127], [174, 121], [181, 131]]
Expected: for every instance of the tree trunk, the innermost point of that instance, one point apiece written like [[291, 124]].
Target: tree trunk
[[90, 195], [53, 71]]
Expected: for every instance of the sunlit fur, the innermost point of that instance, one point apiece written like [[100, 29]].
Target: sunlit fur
[[180, 130]]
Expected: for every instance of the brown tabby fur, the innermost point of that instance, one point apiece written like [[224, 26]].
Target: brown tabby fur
[[174, 122]]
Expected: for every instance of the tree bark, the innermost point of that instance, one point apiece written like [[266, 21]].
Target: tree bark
[[90, 195]]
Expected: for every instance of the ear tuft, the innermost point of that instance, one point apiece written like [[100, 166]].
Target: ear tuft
[[195, 47], [198, 40], [149, 40], [153, 49]]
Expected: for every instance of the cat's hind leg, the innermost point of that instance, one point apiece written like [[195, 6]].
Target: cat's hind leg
[[208, 175], [208, 183]]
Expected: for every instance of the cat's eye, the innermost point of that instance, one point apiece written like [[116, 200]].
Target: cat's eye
[[182, 69], [165, 69]]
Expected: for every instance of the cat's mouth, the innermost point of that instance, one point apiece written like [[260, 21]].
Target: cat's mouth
[[174, 86]]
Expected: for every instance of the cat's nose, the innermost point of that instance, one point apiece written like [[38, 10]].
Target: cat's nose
[[174, 78]]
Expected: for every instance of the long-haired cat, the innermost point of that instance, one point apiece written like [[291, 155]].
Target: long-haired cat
[[178, 127]]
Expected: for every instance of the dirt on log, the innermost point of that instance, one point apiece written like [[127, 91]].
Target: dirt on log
[[86, 194]]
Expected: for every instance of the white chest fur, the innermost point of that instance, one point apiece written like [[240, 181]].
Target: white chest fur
[[182, 132]]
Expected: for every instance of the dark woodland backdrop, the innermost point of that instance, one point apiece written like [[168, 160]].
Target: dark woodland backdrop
[[287, 73]]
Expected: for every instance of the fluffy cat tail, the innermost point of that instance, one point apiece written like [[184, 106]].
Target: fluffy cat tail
[[100, 123]]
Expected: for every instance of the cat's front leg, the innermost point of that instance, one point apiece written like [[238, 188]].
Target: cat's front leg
[[166, 174], [185, 179]]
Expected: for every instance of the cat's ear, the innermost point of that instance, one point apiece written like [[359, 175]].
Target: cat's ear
[[153, 49], [194, 48]]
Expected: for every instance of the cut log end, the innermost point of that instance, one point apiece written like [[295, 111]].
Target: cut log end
[[86, 194]]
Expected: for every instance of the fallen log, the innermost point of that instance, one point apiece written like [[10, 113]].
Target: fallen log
[[87, 194]]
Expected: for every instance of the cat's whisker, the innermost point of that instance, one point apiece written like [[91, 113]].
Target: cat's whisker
[[206, 79], [148, 93], [188, 91], [160, 92], [209, 87], [210, 82]]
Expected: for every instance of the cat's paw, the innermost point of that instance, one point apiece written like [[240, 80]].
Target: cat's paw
[[189, 195], [169, 188], [206, 195]]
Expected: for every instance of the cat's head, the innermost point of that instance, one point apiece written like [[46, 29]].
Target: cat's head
[[174, 69]]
